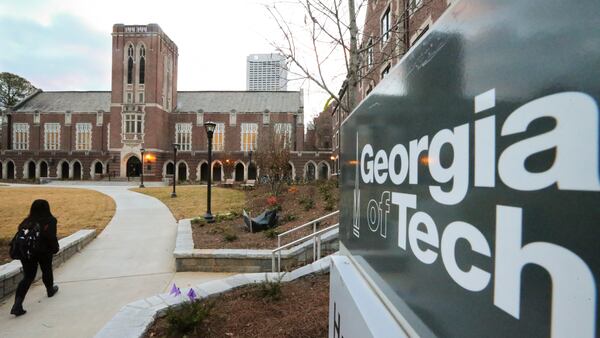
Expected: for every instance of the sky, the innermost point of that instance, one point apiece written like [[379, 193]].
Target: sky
[[66, 44]]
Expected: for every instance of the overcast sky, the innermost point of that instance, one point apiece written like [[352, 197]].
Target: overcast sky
[[66, 44]]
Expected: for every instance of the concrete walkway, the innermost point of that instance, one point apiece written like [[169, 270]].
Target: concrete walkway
[[131, 259]]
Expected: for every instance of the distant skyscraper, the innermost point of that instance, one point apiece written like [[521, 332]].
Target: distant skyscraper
[[266, 72]]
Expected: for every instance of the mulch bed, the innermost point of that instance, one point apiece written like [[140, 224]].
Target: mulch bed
[[302, 311], [292, 214]]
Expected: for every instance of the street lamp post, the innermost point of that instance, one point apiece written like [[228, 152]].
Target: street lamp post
[[210, 129], [175, 148], [142, 172]]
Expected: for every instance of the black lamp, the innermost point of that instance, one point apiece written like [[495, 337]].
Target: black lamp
[[210, 129]]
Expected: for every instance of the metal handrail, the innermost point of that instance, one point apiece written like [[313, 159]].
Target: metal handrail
[[313, 222], [315, 236]]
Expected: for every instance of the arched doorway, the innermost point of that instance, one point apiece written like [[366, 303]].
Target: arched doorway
[[204, 172], [10, 170], [31, 170], [239, 172], [134, 167], [64, 170], [98, 168], [323, 171], [252, 171], [216, 175], [289, 175], [170, 169], [77, 170], [1, 170], [309, 174], [43, 169], [182, 172]]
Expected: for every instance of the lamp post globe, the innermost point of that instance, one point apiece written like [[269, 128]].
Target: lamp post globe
[[175, 148], [142, 171], [210, 129]]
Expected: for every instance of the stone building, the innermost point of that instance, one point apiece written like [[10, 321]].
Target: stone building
[[96, 134]]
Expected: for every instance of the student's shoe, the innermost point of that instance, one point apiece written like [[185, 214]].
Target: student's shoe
[[53, 291], [17, 309]]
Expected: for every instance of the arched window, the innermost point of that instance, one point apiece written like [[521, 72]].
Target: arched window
[[130, 64], [142, 64]]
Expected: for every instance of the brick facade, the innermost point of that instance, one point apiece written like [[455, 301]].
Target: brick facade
[[154, 107]]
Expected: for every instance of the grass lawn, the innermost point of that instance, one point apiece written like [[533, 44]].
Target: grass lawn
[[75, 209], [191, 200]]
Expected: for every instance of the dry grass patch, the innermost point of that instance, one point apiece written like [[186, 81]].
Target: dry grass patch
[[75, 209], [191, 200]]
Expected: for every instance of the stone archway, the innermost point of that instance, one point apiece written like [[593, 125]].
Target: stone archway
[[204, 172], [217, 172], [323, 173], [30, 170], [64, 170], [77, 171], [133, 167], [239, 172], [310, 171], [182, 171], [43, 169], [252, 171], [10, 170]]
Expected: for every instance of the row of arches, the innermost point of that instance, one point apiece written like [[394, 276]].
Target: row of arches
[[64, 169], [241, 171]]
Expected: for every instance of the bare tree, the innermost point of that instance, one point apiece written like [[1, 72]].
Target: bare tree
[[273, 157], [331, 28]]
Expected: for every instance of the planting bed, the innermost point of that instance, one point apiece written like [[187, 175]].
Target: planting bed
[[300, 311]]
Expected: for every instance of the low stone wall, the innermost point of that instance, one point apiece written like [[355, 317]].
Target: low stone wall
[[12, 273], [242, 260], [134, 319]]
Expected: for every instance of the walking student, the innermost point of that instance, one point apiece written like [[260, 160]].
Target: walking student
[[34, 244]]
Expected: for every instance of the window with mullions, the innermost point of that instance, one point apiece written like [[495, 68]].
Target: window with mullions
[[83, 136], [133, 123], [142, 75], [20, 136], [284, 131], [218, 141], [370, 53], [183, 136], [51, 136], [130, 55], [385, 26], [249, 136]]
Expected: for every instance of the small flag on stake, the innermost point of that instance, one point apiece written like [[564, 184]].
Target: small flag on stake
[[175, 290], [192, 295]]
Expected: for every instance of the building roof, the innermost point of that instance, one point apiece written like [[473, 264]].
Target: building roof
[[241, 101], [62, 101], [208, 101]]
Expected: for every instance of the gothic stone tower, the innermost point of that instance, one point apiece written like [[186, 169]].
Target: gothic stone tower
[[144, 91]]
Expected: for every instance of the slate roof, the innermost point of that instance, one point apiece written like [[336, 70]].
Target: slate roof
[[241, 101], [68, 100], [208, 101]]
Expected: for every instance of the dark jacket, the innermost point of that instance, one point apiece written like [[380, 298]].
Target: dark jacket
[[48, 240]]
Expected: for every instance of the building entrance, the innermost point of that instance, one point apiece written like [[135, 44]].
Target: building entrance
[[134, 167]]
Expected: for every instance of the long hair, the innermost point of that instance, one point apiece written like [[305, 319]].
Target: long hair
[[40, 210]]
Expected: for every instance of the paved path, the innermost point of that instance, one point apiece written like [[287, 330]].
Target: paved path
[[131, 259]]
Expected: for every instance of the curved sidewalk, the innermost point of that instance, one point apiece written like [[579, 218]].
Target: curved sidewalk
[[131, 259]]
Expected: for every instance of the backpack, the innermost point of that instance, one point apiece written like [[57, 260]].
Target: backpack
[[26, 242]]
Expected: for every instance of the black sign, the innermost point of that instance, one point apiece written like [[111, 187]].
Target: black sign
[[470, 181]]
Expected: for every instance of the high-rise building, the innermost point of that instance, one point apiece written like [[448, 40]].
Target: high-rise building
[[266, 72]]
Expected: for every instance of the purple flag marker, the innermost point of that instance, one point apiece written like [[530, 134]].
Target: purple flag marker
[[175, 290], [192, 295]]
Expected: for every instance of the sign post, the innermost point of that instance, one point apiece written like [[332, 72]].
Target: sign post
[[470, 178]]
